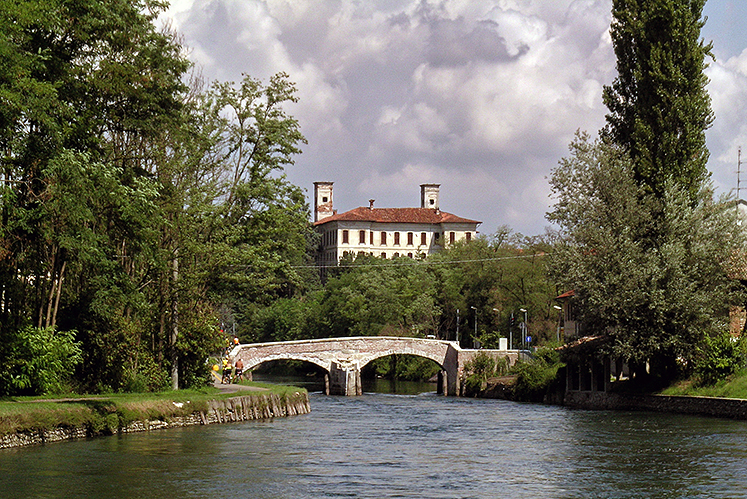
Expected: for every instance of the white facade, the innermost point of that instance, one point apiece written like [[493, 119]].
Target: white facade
[[391, 232]]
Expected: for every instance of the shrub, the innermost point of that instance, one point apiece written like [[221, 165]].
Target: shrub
[[719, 357], [39, 361], [537, 377], [477, 371]]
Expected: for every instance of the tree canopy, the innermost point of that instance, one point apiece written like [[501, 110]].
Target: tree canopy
[[654, 302], [659, 106], [136, 202]]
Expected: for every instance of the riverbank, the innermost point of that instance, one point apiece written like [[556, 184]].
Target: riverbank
[[35, 422], [719, 407]]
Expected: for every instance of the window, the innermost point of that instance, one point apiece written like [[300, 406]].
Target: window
[[362, 237], [423, 238], [371, 238], [452, 237], [345, 239], [324, 199], [383, 238], [383, 255], [437, 237], [395, 255], [409, 238], [396, 238], [469, 236], [409, 255]]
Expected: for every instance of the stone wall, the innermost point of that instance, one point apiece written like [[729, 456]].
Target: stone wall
[[700, 406], [244, 408]]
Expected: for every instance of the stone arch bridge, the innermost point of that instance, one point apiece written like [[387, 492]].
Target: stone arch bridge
[[343, 358]]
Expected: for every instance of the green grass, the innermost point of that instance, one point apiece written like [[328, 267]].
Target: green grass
[[106, 413], [733, 387]]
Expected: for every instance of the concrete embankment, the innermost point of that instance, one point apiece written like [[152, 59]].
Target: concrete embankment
[[256, 406], [502, 388], [699, 406]]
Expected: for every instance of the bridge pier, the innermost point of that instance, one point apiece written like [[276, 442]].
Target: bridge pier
[[442, 386], [344, 379]]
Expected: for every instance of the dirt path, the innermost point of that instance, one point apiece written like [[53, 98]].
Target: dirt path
[[233, 388]]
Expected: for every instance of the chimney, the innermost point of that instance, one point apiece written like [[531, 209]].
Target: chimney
[[429, 196], [370, 204]]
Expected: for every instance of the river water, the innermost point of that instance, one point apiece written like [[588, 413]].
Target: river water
[[410, 446]]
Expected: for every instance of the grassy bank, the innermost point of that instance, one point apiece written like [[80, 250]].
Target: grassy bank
[[734, 386], [107, 413]]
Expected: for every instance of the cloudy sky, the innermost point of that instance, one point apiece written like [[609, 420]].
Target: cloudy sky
[[480, 96]]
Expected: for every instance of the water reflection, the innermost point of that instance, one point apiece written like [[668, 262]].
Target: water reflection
[[415, 446]]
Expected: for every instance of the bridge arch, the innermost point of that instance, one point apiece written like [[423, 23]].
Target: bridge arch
[[343, 358]]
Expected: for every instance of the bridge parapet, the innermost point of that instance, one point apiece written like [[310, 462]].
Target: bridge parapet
[[343, 358]]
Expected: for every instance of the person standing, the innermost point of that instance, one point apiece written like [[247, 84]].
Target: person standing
[[239, 369]]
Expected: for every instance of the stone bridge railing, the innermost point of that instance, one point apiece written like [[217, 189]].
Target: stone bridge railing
[[343, 358]]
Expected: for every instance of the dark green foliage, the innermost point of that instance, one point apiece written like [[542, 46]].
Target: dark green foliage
[[134, 207], [38, 361], [498, 276], [537, 377], [381, 297], [659, 106], [477, 371], [656, 297], [404, 367], [719, 357]]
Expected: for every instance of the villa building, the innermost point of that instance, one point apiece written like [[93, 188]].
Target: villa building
[[386, 232]]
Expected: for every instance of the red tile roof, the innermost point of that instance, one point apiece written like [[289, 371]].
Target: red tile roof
[[397, 215]]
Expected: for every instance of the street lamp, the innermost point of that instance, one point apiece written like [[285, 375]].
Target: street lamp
[[499, 334], [475, 337], [557, 333], [524, 329], [457, 331]]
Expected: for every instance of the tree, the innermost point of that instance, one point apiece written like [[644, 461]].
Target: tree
[[84, 84], [380, 297], [497, 275], [656, 303], [659, 107]]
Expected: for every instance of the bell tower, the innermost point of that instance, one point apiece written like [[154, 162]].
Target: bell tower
[[322, 200], [429, 196]]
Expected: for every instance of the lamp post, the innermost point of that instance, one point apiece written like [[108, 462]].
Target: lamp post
[[498, 312], [559, 309], [457, 331], [524, 329], [475, 337]]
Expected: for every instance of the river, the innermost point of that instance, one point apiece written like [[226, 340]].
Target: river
[[412, 446]]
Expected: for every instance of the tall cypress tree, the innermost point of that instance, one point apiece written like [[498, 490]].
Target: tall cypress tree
[[659, 107]]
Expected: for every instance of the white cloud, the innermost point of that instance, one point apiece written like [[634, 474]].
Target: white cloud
[[481, 97]]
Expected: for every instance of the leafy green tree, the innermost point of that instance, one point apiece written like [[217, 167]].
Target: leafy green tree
[[498, 276], [659, 107], [84, 84], [655, 301], [381, 297]]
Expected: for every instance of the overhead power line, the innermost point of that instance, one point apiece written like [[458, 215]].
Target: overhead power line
[[422, 262]]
